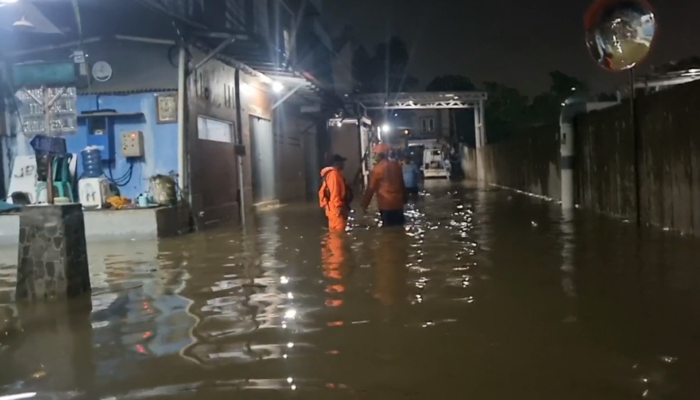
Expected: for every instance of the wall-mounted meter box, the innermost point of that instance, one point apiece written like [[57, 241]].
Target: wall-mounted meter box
[[100, 134], [132, 144]]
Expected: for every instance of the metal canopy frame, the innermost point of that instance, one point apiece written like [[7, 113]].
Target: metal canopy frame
[[429, 101], [420, 100]]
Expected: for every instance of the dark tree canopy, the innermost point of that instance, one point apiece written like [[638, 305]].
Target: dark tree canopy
[[385, 71], [448, 83], [507, 110]]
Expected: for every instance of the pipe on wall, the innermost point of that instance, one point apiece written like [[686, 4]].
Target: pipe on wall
[[240, 142], [182, 159]]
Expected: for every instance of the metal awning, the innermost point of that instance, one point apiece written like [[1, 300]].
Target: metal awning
[[242, 51], [419, 100], [254, 57]]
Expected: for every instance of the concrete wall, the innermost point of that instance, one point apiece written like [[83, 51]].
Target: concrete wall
[[289, 127], [468, 160], [604, 170], [670, 171], [529, 163], [604, 165]]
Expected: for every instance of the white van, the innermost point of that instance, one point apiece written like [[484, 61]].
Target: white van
[[435, 164]]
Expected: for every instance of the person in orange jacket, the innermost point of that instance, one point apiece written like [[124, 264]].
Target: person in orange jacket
[[387, 183], [335, 195]]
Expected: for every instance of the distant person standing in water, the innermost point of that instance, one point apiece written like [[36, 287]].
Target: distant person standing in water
[[411, 176], [387, 183]]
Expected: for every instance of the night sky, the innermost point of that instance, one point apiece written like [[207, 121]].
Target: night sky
[[511, 41]]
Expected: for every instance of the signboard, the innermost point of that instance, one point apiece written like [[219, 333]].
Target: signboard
[[48, 111], [167, 108], [44, 74]]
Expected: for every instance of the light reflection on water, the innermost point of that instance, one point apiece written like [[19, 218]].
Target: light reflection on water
[[483, 295]]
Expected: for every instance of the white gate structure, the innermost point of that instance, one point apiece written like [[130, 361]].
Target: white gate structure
[[432, 101]]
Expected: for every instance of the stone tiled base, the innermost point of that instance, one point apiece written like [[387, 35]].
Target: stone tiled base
[[52, 253]]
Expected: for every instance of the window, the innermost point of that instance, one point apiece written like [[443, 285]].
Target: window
[[427, 124], [214, 130]]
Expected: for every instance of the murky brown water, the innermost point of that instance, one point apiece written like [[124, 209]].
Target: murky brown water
[[488, 295]]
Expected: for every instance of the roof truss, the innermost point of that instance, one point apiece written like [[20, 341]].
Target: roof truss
[[420, 100]]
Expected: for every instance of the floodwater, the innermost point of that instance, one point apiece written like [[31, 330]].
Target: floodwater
[[486, 295]]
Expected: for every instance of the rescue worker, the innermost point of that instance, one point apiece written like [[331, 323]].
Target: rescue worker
[[335, 194], [387, 183]]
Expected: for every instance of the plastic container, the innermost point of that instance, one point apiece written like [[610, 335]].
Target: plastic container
[[92, 162]]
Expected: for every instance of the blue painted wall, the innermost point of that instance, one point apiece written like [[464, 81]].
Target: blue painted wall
[[160, 140]]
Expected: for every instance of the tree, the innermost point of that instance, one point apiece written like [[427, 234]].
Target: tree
[[505, 111], [546, 107], [386, 70], [450, 83], [562, 85]]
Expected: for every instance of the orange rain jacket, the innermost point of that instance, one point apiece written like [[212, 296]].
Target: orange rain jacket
[[335, 196], [387, 182]]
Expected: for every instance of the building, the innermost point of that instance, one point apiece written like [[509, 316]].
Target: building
[[421, 124], [255, 93]]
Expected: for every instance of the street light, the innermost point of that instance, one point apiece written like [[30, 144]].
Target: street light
[[277, 87], [386, 128]]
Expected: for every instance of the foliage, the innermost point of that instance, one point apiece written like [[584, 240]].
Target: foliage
[[507, 110], [449, 83], [385, 71]]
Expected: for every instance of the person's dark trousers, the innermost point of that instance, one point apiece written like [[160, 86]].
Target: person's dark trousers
[[392, 218], [412, 193]]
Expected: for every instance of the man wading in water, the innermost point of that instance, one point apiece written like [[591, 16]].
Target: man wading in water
[[387, 183]]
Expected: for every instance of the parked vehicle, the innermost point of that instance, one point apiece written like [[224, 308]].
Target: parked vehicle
[[435, 163]]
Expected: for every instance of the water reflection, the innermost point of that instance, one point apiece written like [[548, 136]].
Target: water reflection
[[392, 266], [49, 349], [482, 287]]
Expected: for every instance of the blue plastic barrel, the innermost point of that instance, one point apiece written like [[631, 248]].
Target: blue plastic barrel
[[92, 162]]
